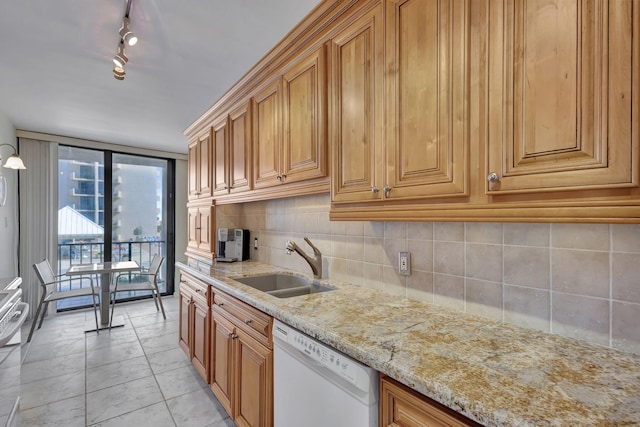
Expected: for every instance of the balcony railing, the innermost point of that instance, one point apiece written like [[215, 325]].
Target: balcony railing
[[88, 253]]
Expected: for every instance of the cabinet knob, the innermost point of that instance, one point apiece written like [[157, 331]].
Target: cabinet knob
[[248, 321], [220, 304], [375, 189], [493, 177], [387, 191], [284, 176], [234, 336], [230, 334]]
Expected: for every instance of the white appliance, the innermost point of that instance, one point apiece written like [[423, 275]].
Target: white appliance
[[315, 385]]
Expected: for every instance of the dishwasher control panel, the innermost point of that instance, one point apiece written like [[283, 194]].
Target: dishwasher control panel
[[322, 354]]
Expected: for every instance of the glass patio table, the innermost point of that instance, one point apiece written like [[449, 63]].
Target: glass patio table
[[106, 269]]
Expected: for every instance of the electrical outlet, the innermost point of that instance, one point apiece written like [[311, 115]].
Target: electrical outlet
[[404, 263]]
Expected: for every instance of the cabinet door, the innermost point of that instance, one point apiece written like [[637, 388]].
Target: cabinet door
[[193, 218], [222, 339], [560, 108], [240, 148], [220, 157], [204, 165], [427, 130], [194, 175], [254, 382], [304, 119], [267, 131], [357, 58], [200, 338], [183, 332], [206, 234]]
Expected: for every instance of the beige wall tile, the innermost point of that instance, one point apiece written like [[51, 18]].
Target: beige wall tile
[[339, 246], [395, 230], [338, 269], [484, 262], [339, 227], [355, 228], [374, 250], [393, 283], [527, 234], [481, 232], [421, 254], [580, 272], [373, 277], [625, 237], [625, 281], [448, 258], [527, 266], [625, 327], [420, 286], [484, 298], [374, 229], [324, 225], [420, 231], [580, 317], [448, 231], [448, 291], [354, 272], [527, 307], [580, 236], [355, 248], [391, 249]]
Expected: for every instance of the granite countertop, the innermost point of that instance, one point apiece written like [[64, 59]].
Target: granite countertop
[[494, 373]]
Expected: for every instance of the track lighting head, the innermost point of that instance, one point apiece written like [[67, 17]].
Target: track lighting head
[[120, 60], [126, 34], [118, 72]]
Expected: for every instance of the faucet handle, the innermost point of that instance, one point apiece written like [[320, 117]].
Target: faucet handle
[[316, 251]]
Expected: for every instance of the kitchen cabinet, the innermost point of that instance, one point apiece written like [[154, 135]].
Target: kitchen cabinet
[[401, 406], [201, 228], [422, 151], [560, 105], [289, 116], [200, 166], [357, 55], [194, 323], [242, 361], [232, 141]]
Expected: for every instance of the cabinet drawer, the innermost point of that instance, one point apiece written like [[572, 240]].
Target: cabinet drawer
[[253, 321], [199, 290]]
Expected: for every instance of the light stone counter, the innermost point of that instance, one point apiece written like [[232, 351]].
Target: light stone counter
[[491, 372]]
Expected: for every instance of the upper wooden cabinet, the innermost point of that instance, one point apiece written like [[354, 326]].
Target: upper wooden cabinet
[[427, 132], [200, 166], [561, 79], [289, 116], [424, 152], [201, 228], [357, 85], [232, 142]]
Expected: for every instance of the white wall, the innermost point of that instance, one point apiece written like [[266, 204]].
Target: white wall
[[8, 213]]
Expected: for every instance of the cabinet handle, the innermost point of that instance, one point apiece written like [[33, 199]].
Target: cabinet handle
[[284, 176], [198, 228], [279, 177], [375, 190], [199, 291], [387, 191], [493, 177], [248, 321], [220, 304], [234, 336], [230, 335]]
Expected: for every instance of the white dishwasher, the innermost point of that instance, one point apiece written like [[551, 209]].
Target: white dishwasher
[[315, 385]]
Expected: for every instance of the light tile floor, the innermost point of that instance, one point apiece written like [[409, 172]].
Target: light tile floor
[[136, 375]]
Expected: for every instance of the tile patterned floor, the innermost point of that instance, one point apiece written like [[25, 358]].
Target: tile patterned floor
[[132, 376]]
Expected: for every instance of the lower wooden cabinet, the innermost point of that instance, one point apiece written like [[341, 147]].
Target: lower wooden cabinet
[[194, 323], [242, 361], [401, 406]]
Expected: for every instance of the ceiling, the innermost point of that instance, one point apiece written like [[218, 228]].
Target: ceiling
[[56, 70]]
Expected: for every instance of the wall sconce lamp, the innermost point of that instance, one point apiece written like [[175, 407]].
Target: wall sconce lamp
[[13, 162]]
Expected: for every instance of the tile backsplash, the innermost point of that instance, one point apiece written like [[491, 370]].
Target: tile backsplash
[[575, 280]]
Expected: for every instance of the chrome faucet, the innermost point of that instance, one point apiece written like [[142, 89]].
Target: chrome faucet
[[315, 263]]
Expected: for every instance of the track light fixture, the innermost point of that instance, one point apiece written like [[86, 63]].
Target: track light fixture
[[121, 58], [126, 34], [126, 38]]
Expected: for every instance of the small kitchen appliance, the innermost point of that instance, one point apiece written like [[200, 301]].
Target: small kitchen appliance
[[233, 245]]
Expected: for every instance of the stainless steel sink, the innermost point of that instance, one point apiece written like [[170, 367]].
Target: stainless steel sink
[[284, 285]]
